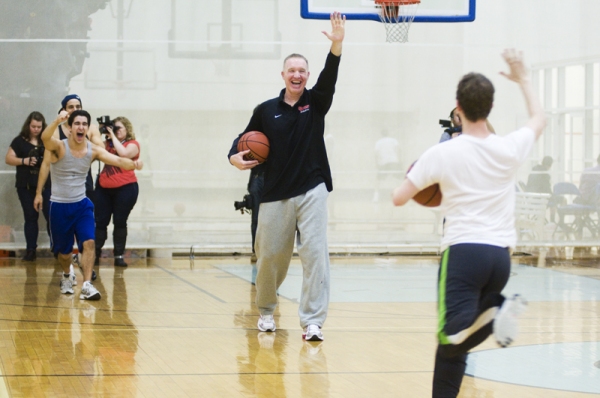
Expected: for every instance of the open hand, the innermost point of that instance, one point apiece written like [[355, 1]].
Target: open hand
[[337, 27], [518, 70]]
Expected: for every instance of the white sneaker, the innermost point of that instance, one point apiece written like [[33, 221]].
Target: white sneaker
[[506, 323], [66, 285], [76, 260], [266, 323], [72, 275], [312, 333], [89, 292]]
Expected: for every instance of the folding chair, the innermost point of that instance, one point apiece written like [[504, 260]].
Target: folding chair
[[572, 217]]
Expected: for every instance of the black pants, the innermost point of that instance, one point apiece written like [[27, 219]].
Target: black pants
[[116, 203], [470, 280], [255, 188], [26, 197]]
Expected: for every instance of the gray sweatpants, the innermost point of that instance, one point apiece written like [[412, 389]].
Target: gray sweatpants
[[305, 217]]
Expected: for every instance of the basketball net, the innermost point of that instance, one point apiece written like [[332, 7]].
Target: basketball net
[[397, 16]]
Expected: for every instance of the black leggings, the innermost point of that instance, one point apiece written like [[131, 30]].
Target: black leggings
[[116, 203], [26, 197], [471, 278]]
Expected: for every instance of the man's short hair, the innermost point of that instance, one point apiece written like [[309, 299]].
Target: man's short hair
[[294, 55], [475, 95], [79, 112]]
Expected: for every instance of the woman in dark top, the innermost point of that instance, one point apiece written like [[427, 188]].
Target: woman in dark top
[[27, 152]]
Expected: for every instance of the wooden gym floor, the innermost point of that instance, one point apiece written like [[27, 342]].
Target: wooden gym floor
[[182, 328]]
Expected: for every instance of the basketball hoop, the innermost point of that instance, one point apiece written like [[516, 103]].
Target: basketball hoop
[[397, 15]]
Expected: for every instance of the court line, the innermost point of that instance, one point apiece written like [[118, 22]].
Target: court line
[[190, 284], [213, 374], [194, 328], [108, 309]]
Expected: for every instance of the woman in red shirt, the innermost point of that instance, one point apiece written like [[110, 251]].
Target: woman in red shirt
[[116, 189]]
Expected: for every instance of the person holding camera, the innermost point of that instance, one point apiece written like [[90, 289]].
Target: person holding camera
[[453, 126], [256, 184], [26, 152], [116, 188], [251, 201]]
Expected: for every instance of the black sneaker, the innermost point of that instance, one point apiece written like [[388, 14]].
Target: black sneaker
[[119, 262], [29, 256], [94, 276]]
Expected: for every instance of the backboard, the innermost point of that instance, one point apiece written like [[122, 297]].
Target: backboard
[[428, 10], [225, 29]]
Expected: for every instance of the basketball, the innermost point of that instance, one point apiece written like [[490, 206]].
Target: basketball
[[430, 196], [257, 143]]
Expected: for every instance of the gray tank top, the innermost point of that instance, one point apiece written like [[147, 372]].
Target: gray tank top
[[69, 174]]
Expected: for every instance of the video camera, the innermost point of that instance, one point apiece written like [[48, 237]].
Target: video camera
[[38, 154], [245, 205], [447, 124], [104, 122]]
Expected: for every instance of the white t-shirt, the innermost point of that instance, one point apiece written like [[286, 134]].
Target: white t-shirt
[[477, 180]]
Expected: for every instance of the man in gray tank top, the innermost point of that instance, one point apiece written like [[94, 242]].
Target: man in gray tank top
[[70, 103], [71, 212]]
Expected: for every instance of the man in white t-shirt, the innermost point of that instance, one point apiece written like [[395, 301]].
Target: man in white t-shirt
[[476, 173]]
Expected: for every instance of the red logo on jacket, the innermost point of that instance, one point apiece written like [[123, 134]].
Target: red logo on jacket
[[304, 108]]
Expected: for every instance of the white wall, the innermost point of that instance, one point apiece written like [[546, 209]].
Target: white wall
[[192, 109]]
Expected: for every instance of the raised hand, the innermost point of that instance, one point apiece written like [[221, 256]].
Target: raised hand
[[518, 71], [337, 27], [62, 116]]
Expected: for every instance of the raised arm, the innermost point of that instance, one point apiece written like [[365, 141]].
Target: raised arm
[[114, 160], [129, 151], [51, 143], [518, 73], [337, 32]]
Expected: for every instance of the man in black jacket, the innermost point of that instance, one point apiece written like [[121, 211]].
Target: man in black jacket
[[297, 183]]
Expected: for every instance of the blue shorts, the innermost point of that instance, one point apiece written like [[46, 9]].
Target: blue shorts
[[70, 220]]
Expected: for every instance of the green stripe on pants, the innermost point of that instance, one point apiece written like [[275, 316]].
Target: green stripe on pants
[[442, 337]]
